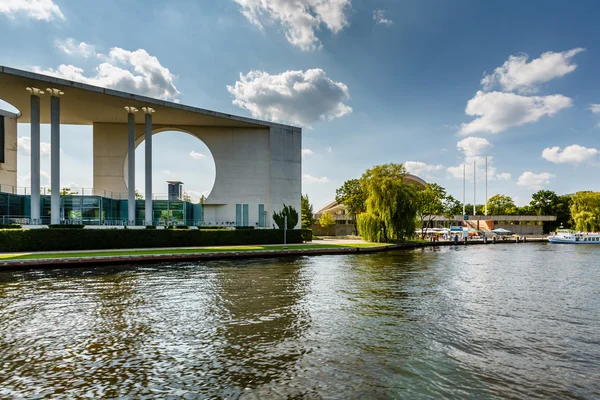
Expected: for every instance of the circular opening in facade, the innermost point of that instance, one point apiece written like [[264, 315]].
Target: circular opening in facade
[[5, 106], [177, 156]]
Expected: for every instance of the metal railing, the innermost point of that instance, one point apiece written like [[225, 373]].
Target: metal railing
[[45, 191]]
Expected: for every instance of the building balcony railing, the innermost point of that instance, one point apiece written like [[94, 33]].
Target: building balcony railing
[[45, 191]]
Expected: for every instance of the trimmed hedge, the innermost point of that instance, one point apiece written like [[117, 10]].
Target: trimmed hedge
[[65, 226], [96, 239], [10, 226]]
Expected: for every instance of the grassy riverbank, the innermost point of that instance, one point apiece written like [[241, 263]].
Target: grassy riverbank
[[196, 250]]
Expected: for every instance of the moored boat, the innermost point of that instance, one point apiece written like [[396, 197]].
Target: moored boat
[[568, 236]]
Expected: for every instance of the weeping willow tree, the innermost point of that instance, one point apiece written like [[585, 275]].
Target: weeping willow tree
[[391, 206], [585, 211]]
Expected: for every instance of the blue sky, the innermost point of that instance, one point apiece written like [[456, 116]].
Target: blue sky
[[433, 84]]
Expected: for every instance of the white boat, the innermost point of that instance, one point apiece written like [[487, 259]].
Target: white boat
[[573, 237]]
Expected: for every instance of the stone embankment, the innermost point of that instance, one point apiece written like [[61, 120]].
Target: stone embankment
[[292, 250]]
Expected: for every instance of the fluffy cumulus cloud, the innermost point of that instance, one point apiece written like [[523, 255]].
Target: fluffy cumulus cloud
[[41, 10], [379, 17], [474, 146], [306, 178], [71, 47], [574, 154], [197, 156], [473, 150], [521, 75], [421, 169], [307, 152], [499, 111], [129, 71], [534, 181], [300, 19], [504, 176], [297, 97], [595, 108], [24, 146]]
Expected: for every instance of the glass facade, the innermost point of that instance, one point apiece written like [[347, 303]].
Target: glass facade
[[97, 210]]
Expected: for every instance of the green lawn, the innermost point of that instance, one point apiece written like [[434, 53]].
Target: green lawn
[[82, 254]]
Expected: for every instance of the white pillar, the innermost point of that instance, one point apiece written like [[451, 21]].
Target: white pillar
[[55, 155], [131, 165], [148, 139], [34, 211]]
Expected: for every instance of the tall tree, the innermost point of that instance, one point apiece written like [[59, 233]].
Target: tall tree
[[585, 211], [500, 204], [391, 206], [308, 219], [352, 195], [546, 202], [326, 221], [430, 203], [452, 207]]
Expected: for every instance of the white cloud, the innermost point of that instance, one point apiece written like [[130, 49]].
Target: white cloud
[[534, 181], [498, 111], [166, 172], [573, 154], [300, 19], [329, 149], [71, 47], [379, 18], [197, 156], [595, 108], [143, 73], [516, 74], [307, 152], [312, 179], [457, 171], [421, 169], [504, 176], [474, 146], [42, 10], [24, 146], [298, 97]]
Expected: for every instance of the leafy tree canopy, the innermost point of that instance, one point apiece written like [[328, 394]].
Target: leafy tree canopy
[[352, 195], [308, 219], [290, 213], [500, 204], [390, 206]]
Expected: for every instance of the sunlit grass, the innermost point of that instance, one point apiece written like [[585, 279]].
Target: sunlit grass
[[134, 253]]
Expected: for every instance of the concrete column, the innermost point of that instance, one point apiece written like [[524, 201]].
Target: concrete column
[[148, 139], [131, 165], [55, 155], [35, 154]]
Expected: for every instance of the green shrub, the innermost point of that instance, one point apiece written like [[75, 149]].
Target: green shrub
[[244, 227], [307, 235], [150, 226], [96, 239], [212, 228], [65, 226], [182, 227], [10, 226]]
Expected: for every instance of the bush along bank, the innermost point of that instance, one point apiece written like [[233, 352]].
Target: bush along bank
[[14, 240]]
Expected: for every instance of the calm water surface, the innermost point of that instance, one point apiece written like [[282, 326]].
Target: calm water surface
[[504, 321]]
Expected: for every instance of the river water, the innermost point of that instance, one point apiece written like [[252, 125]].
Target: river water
[[496, 321]]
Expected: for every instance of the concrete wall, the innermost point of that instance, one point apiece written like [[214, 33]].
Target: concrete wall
[[522, 229], [253, 166], [8, 169]]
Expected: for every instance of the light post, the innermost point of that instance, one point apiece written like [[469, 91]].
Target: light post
[[284, 231]]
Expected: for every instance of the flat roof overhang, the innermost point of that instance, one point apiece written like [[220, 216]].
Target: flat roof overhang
[[84, 104]]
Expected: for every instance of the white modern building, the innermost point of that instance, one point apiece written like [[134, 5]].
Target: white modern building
[[258, 164]]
